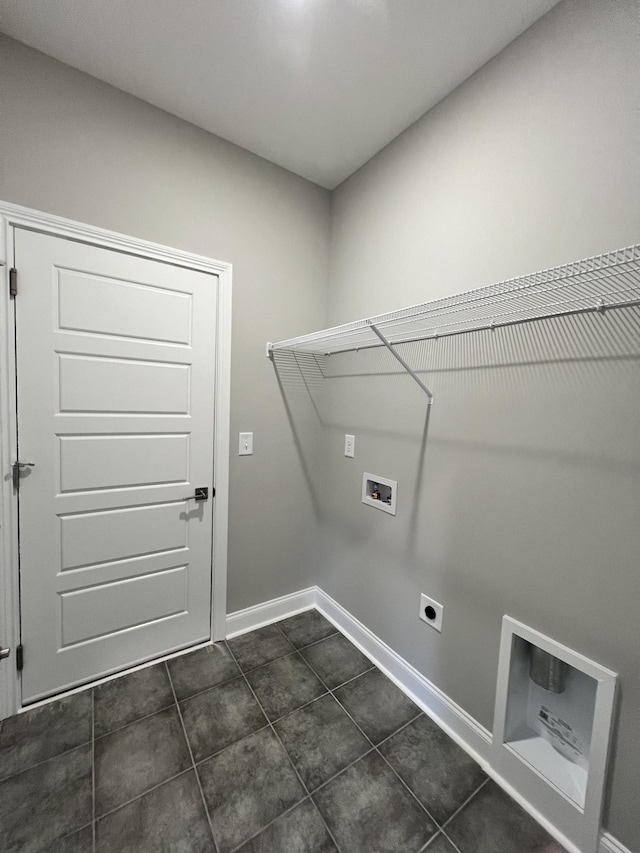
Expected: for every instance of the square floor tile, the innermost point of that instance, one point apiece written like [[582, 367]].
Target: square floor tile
[[170, 818], [306, 628], [492, 823], [220, 717], [41, 733], [336, 660], [46, 802], [437, 770], [138, 757], [259, 647], [377, 705], [284, 685], [130, 697], [369, 810], [301, 830], [321, 740], [197, 671], [247, 786]]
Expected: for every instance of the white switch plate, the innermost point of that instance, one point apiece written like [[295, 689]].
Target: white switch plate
[[245, 444], [350, 446]]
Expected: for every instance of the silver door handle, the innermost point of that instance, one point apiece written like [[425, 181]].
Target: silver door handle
[[15, 472], [201, 494]]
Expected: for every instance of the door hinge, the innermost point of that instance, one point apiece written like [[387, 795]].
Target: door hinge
[[13, 282], [19, 657], [213, 491]]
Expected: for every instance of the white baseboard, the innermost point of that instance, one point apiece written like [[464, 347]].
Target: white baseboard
[[269, 612], [609, 844], [455, 721], [466, 731]]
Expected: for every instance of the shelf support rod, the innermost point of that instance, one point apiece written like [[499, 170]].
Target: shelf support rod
[[403, 363]]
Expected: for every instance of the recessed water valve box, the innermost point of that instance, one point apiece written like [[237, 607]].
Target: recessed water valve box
[[553, 719], [379, 492]]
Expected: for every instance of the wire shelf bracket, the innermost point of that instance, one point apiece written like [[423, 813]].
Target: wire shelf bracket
[[411, 373], [594, 285]]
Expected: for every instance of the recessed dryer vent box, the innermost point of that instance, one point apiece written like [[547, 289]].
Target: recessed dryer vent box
[[379, 492], [552, 726]]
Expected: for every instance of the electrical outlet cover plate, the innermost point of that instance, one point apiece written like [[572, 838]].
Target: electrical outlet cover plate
[[436, 620]]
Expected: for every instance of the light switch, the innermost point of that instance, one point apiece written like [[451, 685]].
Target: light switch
[[350, 446], [245, 445]]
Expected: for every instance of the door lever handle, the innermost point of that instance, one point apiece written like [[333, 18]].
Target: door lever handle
[[15, 471], [201, 494]]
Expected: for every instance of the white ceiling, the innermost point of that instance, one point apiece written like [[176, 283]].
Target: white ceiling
[[316, 86]]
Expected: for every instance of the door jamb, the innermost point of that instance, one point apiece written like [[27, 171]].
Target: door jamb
[[12, 216]]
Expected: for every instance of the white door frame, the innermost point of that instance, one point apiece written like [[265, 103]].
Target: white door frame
[[12, 216]]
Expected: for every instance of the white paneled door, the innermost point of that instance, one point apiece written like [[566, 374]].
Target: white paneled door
[[115, 379]]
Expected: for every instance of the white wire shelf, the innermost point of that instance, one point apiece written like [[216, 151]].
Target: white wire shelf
[[600, 283]]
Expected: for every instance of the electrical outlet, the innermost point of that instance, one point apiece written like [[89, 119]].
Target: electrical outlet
[[350, 446], [431, 612]]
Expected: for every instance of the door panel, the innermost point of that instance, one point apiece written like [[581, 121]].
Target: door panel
[[115, 379], [107, 385], [127, 461], [98, 611], [85, 304], [119, 534]]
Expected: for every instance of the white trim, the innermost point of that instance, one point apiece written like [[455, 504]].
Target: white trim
[[12, 216], [222, 428], [466, 731], [269, 612], [48, 223], [609, 844], [9, 602]]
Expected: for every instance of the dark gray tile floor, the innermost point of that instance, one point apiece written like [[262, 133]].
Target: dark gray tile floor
[[284, 740]]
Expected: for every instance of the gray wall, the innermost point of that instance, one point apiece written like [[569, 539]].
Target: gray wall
[[525, 497], [72, 146]]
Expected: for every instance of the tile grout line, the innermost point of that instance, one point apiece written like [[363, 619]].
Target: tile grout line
[[45, 760], [300, 707], [340, 772], [137, 720], [401, 729], [93, 768], [349, 680], [143, 794], [375, 748], [439, 829], [282, 746], [308, 645], [464, 804], [193, 764], [271, 822], [451, 842], [432, 841]]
